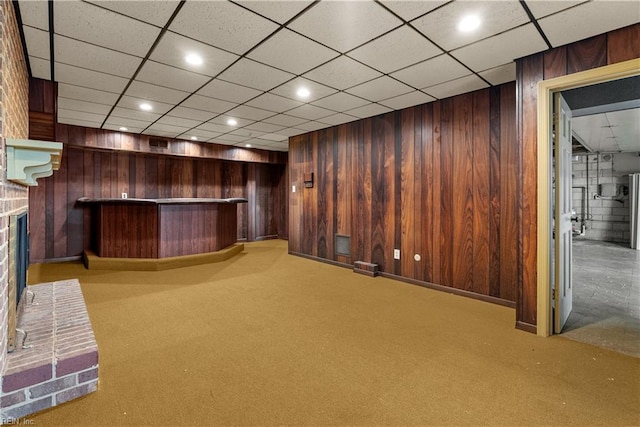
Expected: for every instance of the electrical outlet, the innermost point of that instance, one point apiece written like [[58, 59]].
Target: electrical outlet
[[124, 195], [293, 188], [396, 254]]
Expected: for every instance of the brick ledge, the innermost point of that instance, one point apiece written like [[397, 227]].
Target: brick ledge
[[59, 361]]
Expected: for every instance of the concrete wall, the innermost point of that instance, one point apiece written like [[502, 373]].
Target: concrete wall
[[607, 217]]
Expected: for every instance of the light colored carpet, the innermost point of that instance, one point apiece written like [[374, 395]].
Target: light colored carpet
[[267, 338]]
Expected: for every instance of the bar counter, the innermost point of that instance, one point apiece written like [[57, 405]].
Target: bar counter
[[161, 228]]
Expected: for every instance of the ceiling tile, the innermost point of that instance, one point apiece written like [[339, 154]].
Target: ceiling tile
[[501, 74], [40, 68], [311, 126], [92, 24], [77, 105], [289, 132], [274, 137], [255, 75], [309, 112], [213, 127], [164, 75], [133, 103], [232, 138], [589, 19], [501, 49], [130, 123], [178, 121], [191, 113], [542, 8], [167, 130], [130, 130], [340, 101], [80, 93], [342, 73], [140, 116], [203, 135], [81, 115], [173, 48], [88, 78], [290, 89], [222, 120], [228, 91], [409, 10], [35, 13], [271, 102], [279, 11], [431, 72], [79, 122], [380, 88], [397, 49], [496, 17], [251, 113], [245, 133], [85, 55], [208, 104], [292, 52], [156, 12], [456, 87], [264, 127], [285, 120], [338, 119], [37, 42], [155, 93], [222, 24], [368, 110], [350, 23], [407, 100]]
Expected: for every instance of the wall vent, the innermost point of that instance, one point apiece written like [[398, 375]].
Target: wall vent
[[157, 142], [343, 245]]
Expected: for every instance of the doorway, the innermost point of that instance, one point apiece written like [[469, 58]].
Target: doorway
[[546, 256]]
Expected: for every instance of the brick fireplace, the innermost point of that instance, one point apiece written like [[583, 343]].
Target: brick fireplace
[[48, 353]]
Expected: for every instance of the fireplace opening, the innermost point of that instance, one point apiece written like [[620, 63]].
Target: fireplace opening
[[18, 264]]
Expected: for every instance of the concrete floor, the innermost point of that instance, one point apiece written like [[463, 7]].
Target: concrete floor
[[606, 296]]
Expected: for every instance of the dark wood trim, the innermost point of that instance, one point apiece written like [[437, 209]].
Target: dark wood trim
[[323, 260], [455, 291], [527, 327]]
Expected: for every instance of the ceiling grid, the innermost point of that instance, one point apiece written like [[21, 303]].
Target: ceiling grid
[[355, 58]]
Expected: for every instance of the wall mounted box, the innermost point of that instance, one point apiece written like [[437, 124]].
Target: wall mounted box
[[308, 180]]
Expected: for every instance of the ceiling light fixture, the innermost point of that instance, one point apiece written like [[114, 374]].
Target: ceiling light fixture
[[123, 129], [193, 59], [303, 92], [232, 122], [469, 23], [145, 107], [194, 138], [248, 145]]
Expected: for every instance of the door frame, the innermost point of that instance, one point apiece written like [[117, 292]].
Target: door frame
[[546, 88]]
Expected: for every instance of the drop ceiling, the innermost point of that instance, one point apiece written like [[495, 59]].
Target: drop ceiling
[[357, 59]]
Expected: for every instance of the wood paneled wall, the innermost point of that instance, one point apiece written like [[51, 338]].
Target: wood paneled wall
[[60, 228], [103, 163], [610, 48], [440, 180]]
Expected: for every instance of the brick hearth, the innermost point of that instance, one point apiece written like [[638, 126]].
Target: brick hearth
[[60, 359]]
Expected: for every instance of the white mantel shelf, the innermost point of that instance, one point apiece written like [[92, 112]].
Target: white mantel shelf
[[28, 159]]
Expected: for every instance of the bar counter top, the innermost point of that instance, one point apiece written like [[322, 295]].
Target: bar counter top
[[167, 201]]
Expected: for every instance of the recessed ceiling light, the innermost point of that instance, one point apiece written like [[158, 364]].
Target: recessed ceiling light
[[194, 138], [145, 107], [123, 129], [248, 145], [232, 122], [193, 59], [469, 23], [303, 92]]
